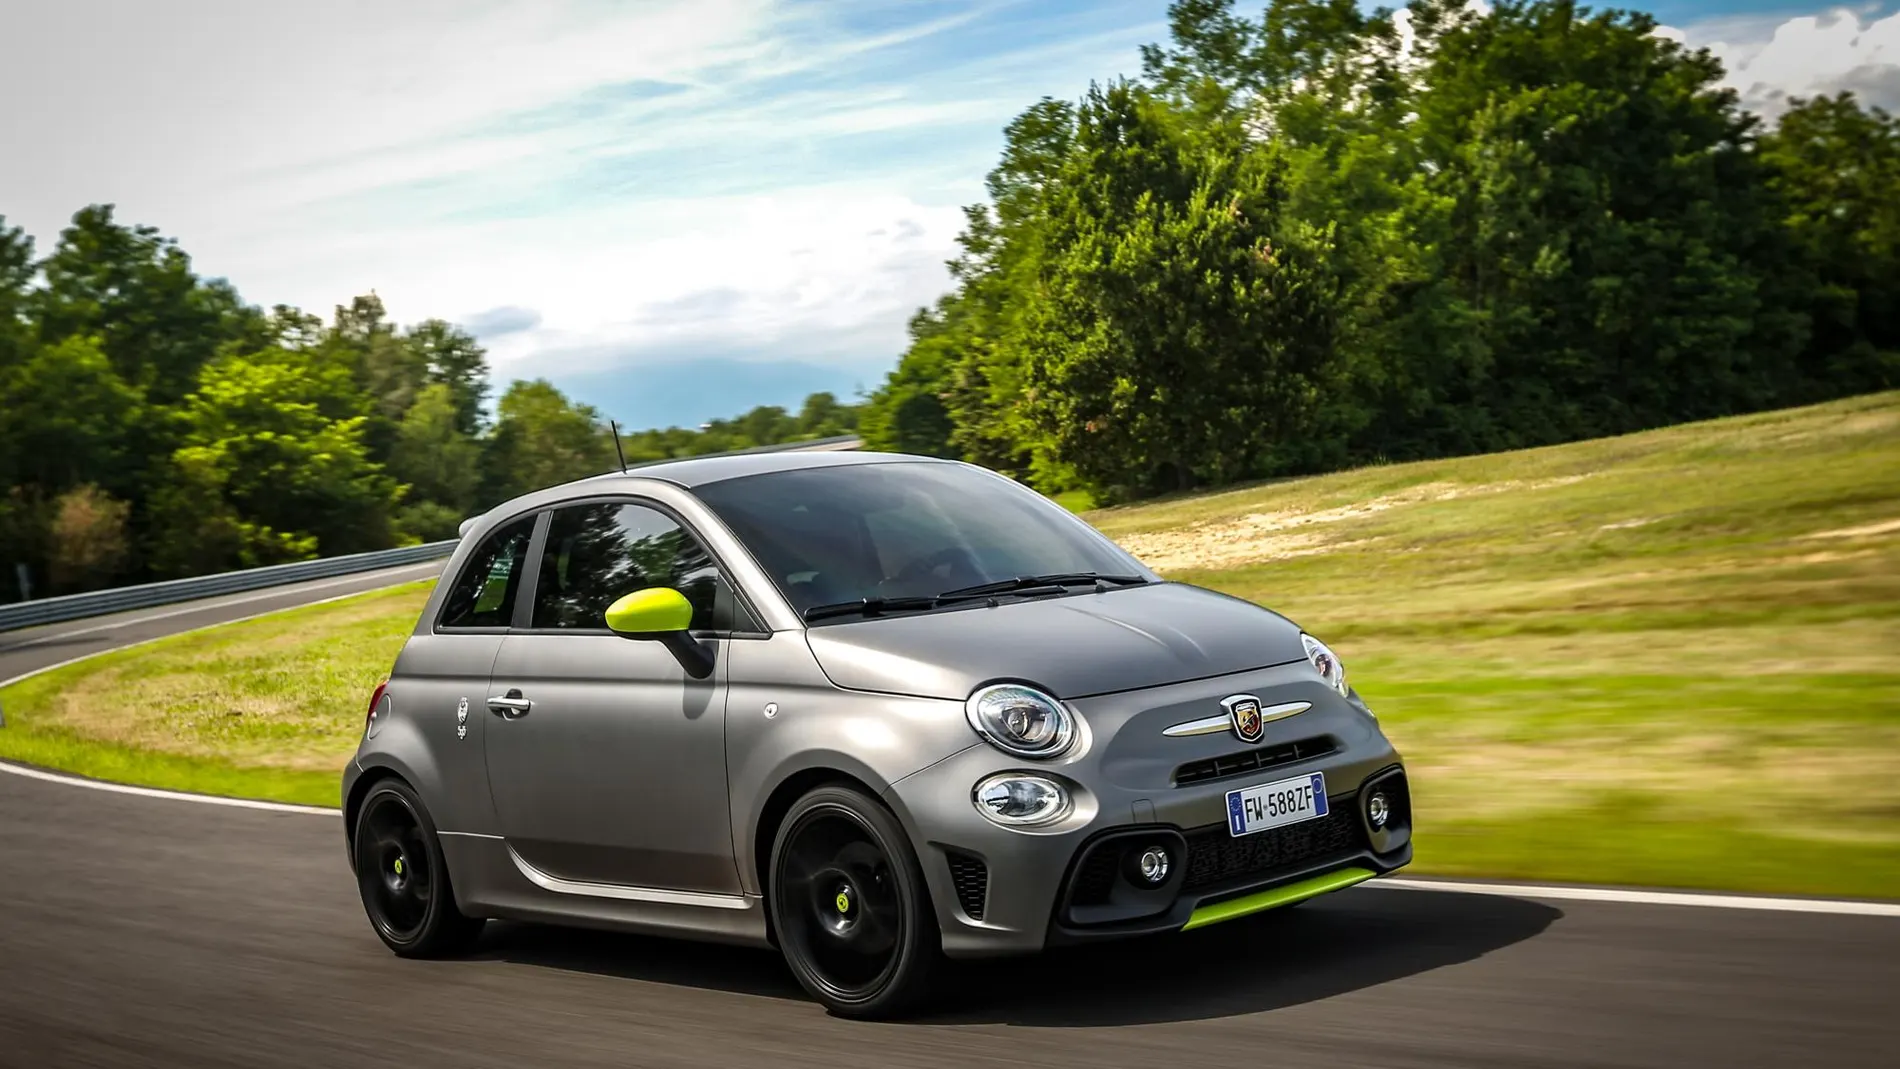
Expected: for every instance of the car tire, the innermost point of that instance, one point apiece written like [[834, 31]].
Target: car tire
[[403, 879], [846, 890]]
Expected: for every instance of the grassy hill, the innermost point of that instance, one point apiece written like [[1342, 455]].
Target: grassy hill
[[1664, 658], [1669, 658]]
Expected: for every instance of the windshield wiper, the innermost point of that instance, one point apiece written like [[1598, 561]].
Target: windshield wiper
[[1023, 583], [868, 607]]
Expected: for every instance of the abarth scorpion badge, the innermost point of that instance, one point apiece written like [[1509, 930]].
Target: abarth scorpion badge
[[461, 720], [1245, 709]]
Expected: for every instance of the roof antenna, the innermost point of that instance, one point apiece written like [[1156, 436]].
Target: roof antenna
[[615, 427]]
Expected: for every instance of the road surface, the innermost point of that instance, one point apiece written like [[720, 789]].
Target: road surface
[[149, 931]]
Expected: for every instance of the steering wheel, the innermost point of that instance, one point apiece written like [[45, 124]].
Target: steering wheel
[[956, 557]]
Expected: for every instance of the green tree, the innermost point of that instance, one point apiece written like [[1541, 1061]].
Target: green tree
[[70, 418], [441, 465], [542, 439], [450, 357], [1594, 224], [907, 413], [1187, 327], [263, 460], [135, 291], [824, 416], [387, 373], [1835, 169]]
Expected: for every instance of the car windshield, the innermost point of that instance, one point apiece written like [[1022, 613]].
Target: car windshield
[[906, 529]]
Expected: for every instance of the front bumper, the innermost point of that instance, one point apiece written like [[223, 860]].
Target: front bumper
[[1008, 891]]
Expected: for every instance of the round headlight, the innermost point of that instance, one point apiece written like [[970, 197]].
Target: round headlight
[[1325, 662], [1021, 720], [1017, 798]]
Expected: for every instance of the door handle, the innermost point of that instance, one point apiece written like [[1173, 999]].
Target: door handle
[[509, 706]]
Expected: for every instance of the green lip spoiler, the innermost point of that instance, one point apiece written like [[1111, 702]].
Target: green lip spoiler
[[1277, 896]]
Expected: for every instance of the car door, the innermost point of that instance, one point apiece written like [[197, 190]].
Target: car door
[[606, 761], [441, 678]]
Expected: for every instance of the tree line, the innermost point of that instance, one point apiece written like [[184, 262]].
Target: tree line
[[1312, 239], [153, 425], [1324, 237]]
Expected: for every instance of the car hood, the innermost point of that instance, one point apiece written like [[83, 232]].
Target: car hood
[[1074, 646]]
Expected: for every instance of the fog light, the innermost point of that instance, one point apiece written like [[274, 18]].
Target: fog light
[[1378, 810], [1153, 866]]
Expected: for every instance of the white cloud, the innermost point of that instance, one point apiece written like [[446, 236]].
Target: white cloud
[[749, 271], [618, 178], [1768, 60]]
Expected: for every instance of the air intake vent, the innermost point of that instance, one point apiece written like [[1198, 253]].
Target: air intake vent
[[972, 880], [1254, 760], [1216, 856]]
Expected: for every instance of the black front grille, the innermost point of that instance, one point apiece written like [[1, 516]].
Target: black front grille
[[1215, 856], [972, 879], [1254, 760]]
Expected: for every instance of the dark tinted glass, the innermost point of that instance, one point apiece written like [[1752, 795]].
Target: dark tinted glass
[[484, 594], [598, 553], [837, 534]]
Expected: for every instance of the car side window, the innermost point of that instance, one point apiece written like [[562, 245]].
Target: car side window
[[484, 594], [597, 553]]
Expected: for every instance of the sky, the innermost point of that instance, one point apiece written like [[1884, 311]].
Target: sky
[[673, 209]]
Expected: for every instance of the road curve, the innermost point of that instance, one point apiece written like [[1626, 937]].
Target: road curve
[[34, 648], [158, 932]]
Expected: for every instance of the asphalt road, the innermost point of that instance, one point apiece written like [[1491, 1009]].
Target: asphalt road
[[139, 931]]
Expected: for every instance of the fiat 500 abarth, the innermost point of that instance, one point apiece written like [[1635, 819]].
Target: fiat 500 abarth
[[869, 709]]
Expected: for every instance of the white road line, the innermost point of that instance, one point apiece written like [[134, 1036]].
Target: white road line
[[151, 792], [202, 606], [1649, 898]]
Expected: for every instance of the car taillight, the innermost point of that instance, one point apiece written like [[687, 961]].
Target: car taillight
[[375, 699]]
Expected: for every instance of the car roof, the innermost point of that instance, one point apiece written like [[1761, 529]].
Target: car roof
[[691, 472]]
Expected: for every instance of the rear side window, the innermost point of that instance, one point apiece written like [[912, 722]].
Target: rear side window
[[484, 594], [599, 552]]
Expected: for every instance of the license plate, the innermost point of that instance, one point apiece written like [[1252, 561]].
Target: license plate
[[1275, 805]]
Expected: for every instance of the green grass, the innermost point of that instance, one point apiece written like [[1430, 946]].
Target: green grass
[[1075, 500], [269, 708], [1670, 658]]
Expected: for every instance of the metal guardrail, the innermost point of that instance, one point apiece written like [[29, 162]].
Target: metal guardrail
[[100, 602]]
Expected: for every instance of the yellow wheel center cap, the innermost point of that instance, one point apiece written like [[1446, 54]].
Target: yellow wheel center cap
[[844, 902], [399, 866]]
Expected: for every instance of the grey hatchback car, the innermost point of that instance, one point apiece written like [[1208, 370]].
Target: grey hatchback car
[[873, 710]]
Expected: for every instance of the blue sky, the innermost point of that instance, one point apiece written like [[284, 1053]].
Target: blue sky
[[675, 209]]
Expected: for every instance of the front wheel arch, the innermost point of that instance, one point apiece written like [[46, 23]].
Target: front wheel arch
[[916, 946], [772, 816]]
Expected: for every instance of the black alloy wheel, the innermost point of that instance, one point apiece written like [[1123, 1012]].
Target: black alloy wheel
[[849, 905], [402, 878]]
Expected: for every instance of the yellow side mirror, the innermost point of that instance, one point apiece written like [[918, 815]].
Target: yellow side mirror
[[655, 610]]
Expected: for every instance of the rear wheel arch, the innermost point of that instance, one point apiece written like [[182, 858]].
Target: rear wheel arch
[[353, 805]]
